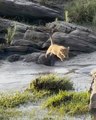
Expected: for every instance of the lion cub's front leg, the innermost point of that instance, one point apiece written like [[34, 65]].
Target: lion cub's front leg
[[59, 55]]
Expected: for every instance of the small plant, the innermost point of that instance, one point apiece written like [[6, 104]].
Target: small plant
[[66, 16], [10, 33]]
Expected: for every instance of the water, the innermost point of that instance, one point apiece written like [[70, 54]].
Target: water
[[17, 75]]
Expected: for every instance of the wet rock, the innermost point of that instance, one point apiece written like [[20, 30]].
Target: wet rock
[[40, 58], [14, 57], [49, 61], [33, 57]]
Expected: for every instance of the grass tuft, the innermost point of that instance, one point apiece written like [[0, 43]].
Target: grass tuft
[[69, 102], [51, 83], [13, 100]]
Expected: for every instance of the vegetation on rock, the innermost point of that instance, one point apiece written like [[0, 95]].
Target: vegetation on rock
[[10, 33]]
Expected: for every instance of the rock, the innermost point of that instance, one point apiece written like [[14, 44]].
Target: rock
[[66, 27], [30, 39], [92, 104], [20, 49], [40, 58], [33, 57], [49, 61], [18, 35], [2, 37], [14, 57], [20, 29], [2, 40], [37, 37], [22, 42], [79, 39], [27, 9]]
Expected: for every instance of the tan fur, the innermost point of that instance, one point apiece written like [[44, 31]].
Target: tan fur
[[60, 51]]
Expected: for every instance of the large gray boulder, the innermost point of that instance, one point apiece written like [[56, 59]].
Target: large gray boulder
[[36, 36], [27, 9], [78, 38]]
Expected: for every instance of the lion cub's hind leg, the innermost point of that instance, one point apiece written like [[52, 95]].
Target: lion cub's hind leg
[[48, 51]]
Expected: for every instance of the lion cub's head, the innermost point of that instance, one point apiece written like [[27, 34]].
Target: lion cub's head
[[65, 52]]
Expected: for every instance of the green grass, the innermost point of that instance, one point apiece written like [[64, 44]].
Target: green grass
[[15, 99], [51, 83], [68, 102], [82, 11], [6, 114], [51, 91]]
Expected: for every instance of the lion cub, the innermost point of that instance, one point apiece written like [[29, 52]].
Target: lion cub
[[60, 51]]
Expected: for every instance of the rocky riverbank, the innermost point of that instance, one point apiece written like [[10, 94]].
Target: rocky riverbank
[[30, 43]]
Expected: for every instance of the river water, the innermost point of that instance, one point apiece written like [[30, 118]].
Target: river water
[[17, 75]]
